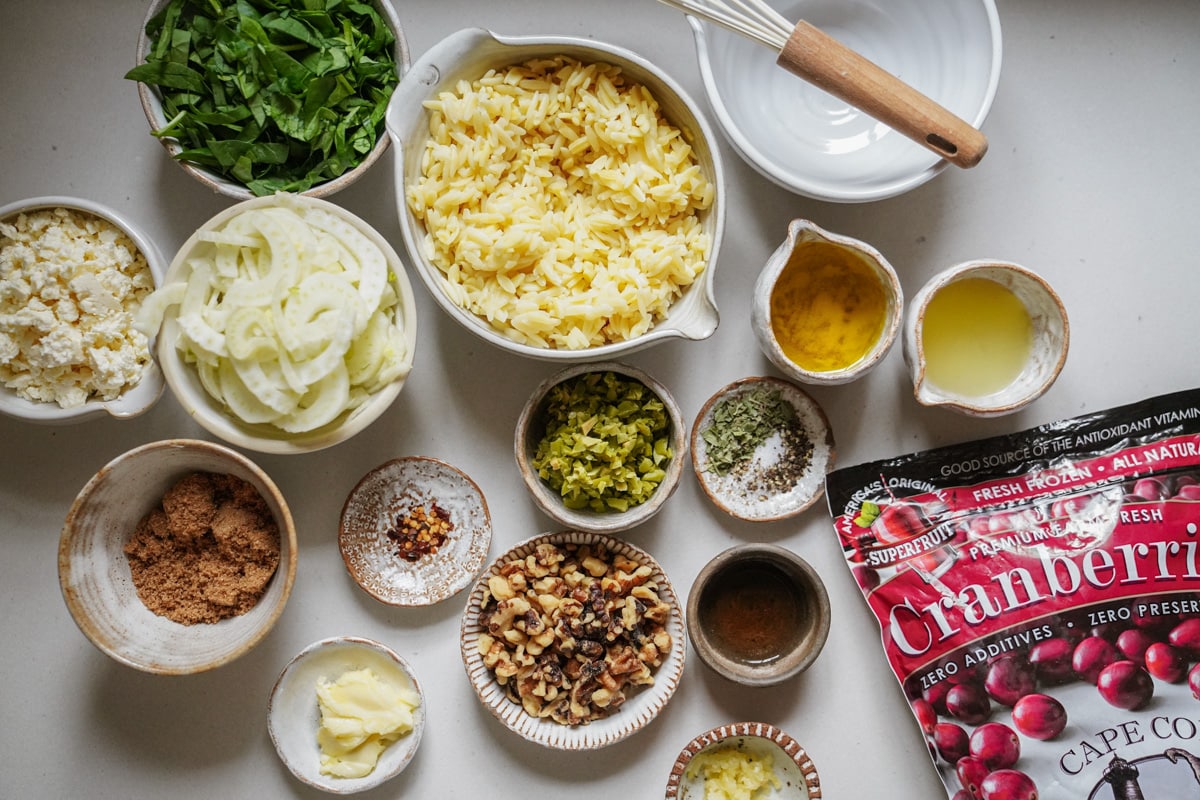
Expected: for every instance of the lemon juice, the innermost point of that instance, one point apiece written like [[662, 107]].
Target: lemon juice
[[977, 337]]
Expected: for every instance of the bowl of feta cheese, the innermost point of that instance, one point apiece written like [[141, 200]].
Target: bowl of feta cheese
[[73, 274]]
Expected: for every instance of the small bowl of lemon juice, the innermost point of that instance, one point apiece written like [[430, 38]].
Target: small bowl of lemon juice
[[985, 338]]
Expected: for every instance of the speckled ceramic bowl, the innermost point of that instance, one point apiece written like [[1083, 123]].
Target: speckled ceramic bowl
[[738, 591], [388, 493], [643, 703], [95, 575], [293, 716], [133, 401], [794, 770], [779, 478], [531, 428], [152, 107]]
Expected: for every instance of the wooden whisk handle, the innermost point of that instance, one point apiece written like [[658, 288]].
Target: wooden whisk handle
[[827, 63]]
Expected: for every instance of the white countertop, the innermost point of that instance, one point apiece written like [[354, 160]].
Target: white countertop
[[1092, 179]]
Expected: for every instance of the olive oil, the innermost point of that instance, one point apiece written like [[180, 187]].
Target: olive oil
[[828, 307], [977, 336]]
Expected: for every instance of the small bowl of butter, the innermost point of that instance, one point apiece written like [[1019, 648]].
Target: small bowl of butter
[[346, 715], [827, 308]]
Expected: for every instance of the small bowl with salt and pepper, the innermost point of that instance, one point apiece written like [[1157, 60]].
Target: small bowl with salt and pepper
[[758, 614], [414, 531], [827, 308], [761, 447]]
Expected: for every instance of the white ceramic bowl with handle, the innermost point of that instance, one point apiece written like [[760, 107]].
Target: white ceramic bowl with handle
[[467, 55]]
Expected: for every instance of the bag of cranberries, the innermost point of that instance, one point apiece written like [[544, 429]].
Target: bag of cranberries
[[1039, 599]]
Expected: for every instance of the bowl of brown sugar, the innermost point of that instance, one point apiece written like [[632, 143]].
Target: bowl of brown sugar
[[177, 556]]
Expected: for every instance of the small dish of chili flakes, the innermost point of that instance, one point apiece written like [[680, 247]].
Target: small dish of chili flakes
[[414, 531]]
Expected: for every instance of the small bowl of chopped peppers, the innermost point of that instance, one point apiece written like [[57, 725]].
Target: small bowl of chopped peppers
[[761, 447], [601, 447], [414, 531], [252, 100]]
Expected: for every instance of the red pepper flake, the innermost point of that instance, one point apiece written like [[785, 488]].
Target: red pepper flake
[[420, 532]]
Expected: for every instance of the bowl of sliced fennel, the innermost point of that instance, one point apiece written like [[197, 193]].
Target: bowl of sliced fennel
[[285, 324]]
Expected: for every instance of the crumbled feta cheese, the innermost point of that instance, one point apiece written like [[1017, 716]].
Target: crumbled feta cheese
[[70, 283]]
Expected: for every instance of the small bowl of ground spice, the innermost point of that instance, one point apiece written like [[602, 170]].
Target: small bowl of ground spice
[[414, 531], [177, 556], [761, 447], [601, 447]]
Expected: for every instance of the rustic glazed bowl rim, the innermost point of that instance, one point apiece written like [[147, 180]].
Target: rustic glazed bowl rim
[[796, 569], [638, 711], [722, 734], [464, 570]]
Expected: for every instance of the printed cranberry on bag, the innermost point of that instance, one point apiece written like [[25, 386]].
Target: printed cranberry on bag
[[1038, 596]]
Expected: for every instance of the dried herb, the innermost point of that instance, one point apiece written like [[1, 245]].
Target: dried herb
[[278, 95], [740, 424]]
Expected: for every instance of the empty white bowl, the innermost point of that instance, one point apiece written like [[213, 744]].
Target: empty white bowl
[[94, 572], [293, 715], [134, 400], [151, 102], [815, 145], [465, 56], [184, 379]]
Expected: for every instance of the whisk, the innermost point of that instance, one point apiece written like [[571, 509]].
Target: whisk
[[823, 61]]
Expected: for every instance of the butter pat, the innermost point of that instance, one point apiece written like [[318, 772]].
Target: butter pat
[[732, 774], [361, 714]]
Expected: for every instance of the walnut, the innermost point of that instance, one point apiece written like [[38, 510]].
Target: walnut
[[569, 628]]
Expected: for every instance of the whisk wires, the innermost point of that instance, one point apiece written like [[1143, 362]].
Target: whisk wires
[[750, 18]]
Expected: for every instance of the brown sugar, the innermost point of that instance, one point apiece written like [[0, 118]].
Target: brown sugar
[[207, 553]]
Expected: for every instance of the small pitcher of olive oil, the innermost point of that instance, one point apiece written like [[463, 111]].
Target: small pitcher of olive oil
[[827, 308], [985, 338]]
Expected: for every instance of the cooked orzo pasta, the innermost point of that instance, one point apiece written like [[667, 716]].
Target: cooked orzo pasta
[[559, 203]]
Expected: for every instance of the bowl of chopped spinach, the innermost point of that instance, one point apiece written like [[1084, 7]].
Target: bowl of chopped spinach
[[601, 446], [262, 96]]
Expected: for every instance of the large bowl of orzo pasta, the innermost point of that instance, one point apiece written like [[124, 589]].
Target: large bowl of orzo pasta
[[560, 197]]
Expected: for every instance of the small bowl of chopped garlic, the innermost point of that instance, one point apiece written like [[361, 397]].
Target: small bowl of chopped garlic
[[561, 198], [74, 274], [288, 324], [601, 447], [745, 759], [346, 714]]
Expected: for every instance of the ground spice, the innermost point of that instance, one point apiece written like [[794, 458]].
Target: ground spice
[[420, 532], [207, 552], [786, 472]]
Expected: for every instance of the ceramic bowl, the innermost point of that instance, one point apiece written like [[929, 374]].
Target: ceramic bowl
[[151, 101], [643, 703], [815, 145], [781, 476], [801, 235], [531, 429], [1051, 336], [758, 614], [134, 400], [95, 576], [467, 55], [214, 416], [293, 716], [794, 770], [390, 492]]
